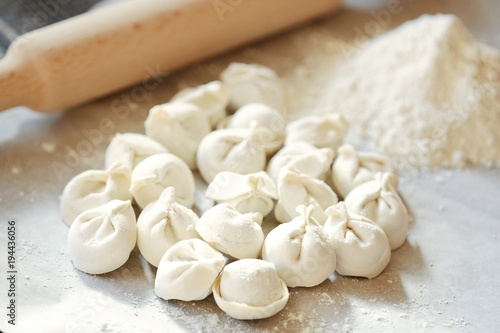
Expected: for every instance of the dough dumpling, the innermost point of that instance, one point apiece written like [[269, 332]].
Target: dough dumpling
[[212, 98], [379, 201], [325, 131], [238, 150], [250, 289], [251, 83], [295, 189], [352, 168], [130, 149], [361, 246], [180, 127], [100, 239], [253, 192], [94, 188], [304, 157], [265, 116], [301, 250], [162, 224], [156, 173], [235, 234], [188, 271]]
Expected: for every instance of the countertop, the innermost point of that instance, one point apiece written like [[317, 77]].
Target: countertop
[[443, 279]]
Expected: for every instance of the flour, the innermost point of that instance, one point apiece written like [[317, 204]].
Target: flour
[[426, 93]]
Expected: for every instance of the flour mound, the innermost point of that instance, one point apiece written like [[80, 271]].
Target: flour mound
[[427, 94]]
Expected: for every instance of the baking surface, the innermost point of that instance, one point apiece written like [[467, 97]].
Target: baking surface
[[444, 278]]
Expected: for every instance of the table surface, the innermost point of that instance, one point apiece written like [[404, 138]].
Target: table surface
[[443, 279]]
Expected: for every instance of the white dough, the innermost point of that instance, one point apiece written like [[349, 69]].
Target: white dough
[[325, 131], [93, 188], [265, 116], [180, 127], [236, 150], [361, 246], [304, 157], [235, 234], [156, 173], [352, 168], [100, 239], [251, 83], [162, 224], [188, 271], [250, 289], [301, 250], [295, 189], [130, 149], [246, 193], [379, 201], [212, 98]]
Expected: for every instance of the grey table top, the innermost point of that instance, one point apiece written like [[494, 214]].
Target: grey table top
[[444, 279]]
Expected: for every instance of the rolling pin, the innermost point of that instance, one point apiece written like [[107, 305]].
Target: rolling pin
[[91, 55]]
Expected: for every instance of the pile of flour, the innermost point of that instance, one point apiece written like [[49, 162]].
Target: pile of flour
[[426, 93]]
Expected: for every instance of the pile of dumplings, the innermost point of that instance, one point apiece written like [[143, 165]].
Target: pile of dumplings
[[256, 164]]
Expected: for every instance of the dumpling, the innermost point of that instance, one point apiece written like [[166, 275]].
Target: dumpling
[[188, 271], [93, 188], [235, 234], [212, 98], [251, 83], [301, 250], [325, 131], [295, 189], [379, 201], [253, 192], [235, 150], [352, 168], [162, 224], [304, 157], [130, 149], [265, 116], [100, 239], [250, 289], [180, 127], [156, 173], [361, 246]]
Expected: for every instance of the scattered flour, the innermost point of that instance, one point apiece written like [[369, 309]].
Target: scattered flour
[[48, 147], [15, 170], [426, 93]]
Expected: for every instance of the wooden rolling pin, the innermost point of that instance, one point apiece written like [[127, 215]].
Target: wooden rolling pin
[[99, 52]]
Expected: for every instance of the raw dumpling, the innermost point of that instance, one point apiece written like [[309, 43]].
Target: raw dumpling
[[352, 168], [304, 157], [265, 116], [212, 98], [188, 271], [379, 201], [180, 127], [325, 131], [130, 149], [301, 250], [295, 189], [250, 289], [93, 188], [162, 224], [156, 173], [361, 246], [246, 193], [100, 239], [235, 234], [238, 150], [250, 83]]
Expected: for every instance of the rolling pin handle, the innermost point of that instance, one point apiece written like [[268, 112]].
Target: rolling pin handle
[[15, 82]]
